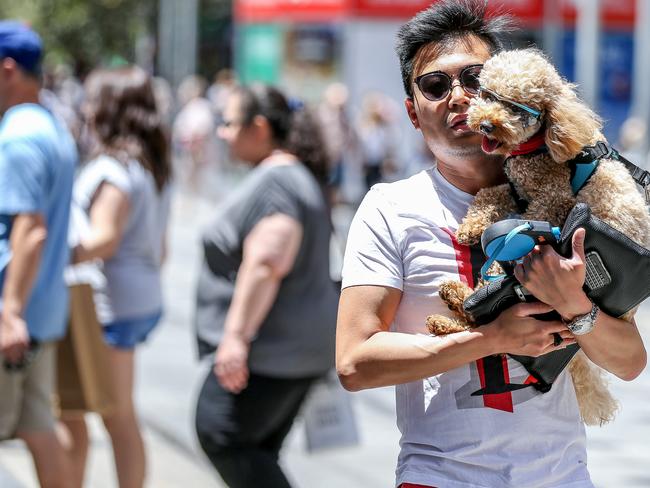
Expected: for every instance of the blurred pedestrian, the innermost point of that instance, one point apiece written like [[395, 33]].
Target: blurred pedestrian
[[632, 141], [37, 160], [49, 98], [164, 97], [339, 135], [68, 87], [378, 138], [225, 82], [265, 300], [467, 411], [220, 90], [125, 193], [193, 133]]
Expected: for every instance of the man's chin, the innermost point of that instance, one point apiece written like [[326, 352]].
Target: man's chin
[[467, 135], [468, 138], [464, 148]]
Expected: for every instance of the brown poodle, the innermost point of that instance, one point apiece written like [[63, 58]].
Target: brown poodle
[[528, 112]]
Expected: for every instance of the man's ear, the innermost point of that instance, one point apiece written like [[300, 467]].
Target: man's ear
[[8, 66], [410, 110]]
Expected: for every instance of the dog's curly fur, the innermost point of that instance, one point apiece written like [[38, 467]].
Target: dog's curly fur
[[525, 76]]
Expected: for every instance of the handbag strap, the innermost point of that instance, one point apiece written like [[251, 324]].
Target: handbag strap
[[641, 176]]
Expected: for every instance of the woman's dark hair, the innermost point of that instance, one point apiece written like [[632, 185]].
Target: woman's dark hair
[[124, 118], [444, 24], [293, 127]]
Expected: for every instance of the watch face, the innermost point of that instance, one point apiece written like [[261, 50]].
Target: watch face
[[583, 324]]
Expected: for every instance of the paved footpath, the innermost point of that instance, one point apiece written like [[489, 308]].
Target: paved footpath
[[169, 377]]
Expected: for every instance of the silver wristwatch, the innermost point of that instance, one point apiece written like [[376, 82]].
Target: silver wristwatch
[[583, 324]]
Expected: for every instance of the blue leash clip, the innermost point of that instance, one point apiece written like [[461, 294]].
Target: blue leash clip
[[512, 239]]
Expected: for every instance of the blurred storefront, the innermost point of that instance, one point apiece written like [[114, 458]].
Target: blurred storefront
[[296, 44], [303, 45], [615, 59]]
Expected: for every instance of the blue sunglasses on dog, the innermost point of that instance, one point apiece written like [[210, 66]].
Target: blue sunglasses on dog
[[490, 96]]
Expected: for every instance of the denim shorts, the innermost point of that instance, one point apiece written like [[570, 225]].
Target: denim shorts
[[128, 333]]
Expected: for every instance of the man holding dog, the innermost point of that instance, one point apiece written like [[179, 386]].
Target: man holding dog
[[37, 160], [467, 413]]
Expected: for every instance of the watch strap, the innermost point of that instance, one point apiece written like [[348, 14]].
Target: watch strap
[[583, 324]]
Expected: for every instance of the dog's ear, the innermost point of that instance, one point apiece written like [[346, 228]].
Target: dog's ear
[[570, 125]]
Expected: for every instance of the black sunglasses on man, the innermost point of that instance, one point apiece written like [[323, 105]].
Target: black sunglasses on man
[[436, 85]]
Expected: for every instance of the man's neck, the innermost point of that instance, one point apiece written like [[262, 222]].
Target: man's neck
[[27, 94], [473, 176]]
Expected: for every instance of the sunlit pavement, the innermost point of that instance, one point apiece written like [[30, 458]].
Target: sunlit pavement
[[169, 376]]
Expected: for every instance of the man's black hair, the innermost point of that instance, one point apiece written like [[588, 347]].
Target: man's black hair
[[444, 23]]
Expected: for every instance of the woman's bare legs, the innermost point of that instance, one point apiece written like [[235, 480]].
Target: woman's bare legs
[[73, 435], [122, 423]]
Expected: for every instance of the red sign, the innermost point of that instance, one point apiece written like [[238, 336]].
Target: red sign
[[525, 10], [615, 13], [294, 10], [388, 8]]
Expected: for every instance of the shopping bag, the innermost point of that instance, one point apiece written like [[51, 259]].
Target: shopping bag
[[84, 383], [329, 416]]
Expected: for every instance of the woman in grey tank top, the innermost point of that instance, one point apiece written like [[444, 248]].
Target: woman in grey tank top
[[265, 300]]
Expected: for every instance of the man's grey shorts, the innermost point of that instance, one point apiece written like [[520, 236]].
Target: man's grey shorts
[[26, 395]]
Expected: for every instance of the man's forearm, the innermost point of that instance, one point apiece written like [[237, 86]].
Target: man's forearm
[[391, 358], [616, 346], [27, 239]]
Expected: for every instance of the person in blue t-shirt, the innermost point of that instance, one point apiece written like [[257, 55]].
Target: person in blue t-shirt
[[37, 161]]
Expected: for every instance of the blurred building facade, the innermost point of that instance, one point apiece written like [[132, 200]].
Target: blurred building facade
[[304, 45]]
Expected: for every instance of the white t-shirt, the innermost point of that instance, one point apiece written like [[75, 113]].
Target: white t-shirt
[[402, 237]]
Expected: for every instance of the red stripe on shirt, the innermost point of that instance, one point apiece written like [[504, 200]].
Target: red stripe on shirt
[[463, 259], [498, 401]]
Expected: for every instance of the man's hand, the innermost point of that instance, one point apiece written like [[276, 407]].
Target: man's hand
[[28, 235], [230, 363], [14, 338], [557, 280], [516, 332]]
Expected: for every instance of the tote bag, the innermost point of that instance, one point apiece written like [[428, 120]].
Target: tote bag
[[83, 379]]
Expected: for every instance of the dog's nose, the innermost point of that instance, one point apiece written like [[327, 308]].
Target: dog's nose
[[486, 127]]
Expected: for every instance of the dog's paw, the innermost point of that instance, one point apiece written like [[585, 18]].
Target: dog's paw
[[440, 325], [454, 293], [469, 234]]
